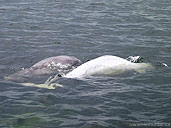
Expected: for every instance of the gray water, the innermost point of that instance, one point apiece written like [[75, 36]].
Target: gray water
[[31, 30]]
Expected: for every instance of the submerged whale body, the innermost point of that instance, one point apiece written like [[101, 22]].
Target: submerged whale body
[[48, 66], [107, 65]]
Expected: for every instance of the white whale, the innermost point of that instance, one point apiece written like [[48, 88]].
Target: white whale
[[107, 65]]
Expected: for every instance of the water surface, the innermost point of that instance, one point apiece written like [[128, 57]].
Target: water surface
[[36, 29]]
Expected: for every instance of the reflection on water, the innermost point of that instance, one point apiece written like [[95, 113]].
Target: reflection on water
[[33, 30]]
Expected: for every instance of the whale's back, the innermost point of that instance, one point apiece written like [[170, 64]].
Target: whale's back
[[106, 65], [43, 69]]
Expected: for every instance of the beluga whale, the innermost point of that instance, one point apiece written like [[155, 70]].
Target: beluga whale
[[43, 69], [108, 65]]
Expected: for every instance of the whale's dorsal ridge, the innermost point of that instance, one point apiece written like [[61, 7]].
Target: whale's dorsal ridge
[[106, 65]]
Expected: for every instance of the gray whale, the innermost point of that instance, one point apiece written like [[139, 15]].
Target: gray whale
[[44, 68]]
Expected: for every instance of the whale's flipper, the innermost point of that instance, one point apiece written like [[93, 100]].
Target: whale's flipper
[[48, 84], [45, 85]]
